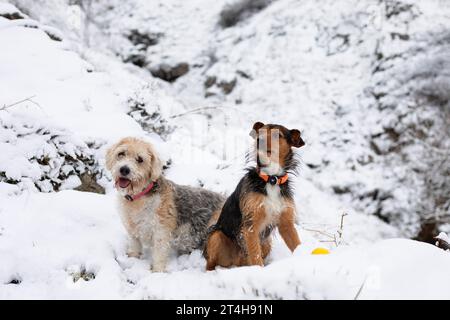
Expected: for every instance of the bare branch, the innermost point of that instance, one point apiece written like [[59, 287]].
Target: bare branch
[[199, 110], [6, 106], [336, 237], [340, 232], [360, 289]]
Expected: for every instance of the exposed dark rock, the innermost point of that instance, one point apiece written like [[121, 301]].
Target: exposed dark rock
[[15, 281], [341, 189], [53, 35], [168, 72], [209, 94], [395, 8], [138, 59], [244, 74], [210, 81], [240, 10], [428, 230], [143, 39], [89, 184], [227, 86], [16, 15]]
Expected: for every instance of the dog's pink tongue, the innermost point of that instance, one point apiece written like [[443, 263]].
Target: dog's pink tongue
[[123, 183]]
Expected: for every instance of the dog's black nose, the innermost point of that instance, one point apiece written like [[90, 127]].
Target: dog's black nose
[[124, 171]]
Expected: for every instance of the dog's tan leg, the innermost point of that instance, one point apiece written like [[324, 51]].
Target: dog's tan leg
[[160, 249], [253, 246], [165, 225], [134, 248], [253, 215], [266, 247], [161, 245], [287, 229], [214, 247], [221, 251]]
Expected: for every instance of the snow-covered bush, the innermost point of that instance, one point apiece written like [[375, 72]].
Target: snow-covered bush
[[45, 158], [146, 108]]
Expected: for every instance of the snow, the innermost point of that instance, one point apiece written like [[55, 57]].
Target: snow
[[53, 241], [79, 99], [443, 236], [7, 8]]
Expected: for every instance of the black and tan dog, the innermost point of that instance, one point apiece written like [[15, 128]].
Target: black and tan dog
[[262, 201]]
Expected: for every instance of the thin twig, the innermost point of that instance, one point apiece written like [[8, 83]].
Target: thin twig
[[29, 99], [360, 289], [192, 111], [197, 110], [324, 233], [340, 232], [337, 240], [6, 106]]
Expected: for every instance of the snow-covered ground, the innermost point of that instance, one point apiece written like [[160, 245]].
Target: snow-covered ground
[[70, 245], [77, 100]]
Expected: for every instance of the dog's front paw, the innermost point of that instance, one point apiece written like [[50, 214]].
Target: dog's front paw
[[256, 261], [133, 254], [158, 268], [134, 249]]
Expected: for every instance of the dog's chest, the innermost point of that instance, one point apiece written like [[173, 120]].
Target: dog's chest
[[140, 219], [274, 203]]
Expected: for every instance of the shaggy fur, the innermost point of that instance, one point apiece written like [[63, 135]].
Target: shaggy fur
[[170, 216], [242, 234]]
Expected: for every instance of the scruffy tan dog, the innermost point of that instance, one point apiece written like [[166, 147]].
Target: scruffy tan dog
[[157, 213]]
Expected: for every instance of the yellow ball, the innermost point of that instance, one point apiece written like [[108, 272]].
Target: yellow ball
[[320, 251]]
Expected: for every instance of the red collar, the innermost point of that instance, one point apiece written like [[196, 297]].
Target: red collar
[[142, 193], [272, 179]]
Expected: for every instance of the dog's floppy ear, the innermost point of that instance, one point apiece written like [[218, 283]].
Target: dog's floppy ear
[[295, 138], [258, 125], [156, 164]]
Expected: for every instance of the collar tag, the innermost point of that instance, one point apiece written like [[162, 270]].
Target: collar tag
[[273, 180]]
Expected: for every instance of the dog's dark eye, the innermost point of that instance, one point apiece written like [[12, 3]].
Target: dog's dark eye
[[121, 154], [139, 159]]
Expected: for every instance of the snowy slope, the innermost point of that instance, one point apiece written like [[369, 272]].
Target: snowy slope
[[340, 71], [71, 244]]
